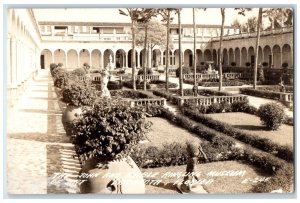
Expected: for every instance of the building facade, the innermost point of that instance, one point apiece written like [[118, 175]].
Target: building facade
[[32, 45]]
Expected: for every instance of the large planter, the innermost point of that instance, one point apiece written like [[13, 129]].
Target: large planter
[[111, 177], [70, 113]]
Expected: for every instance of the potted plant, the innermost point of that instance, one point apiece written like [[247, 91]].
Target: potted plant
[[104, 136], [77, 94]]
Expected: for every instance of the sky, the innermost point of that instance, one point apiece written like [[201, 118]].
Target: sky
[[210, 16]]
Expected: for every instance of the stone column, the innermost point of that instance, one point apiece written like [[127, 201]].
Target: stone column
[[101, 61], [8, 61], [66, 52], [138, 59], [53, 56], [115, 58], [90, 60], [78, 59], [161, 57], [126, 63]]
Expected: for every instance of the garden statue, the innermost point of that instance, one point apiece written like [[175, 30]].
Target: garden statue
[[105, 78], [281, 84], [86, 68], [110, 64], [189, 183]]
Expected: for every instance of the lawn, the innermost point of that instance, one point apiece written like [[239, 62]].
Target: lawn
[[162, 131], [252, 124], [242, 182]]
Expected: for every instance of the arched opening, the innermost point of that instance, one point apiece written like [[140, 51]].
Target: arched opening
[[188, 58], [171, 58], [156, 58], [287, 56], [276, 56], [225, 57], [237, 54], [231, 56], [268, 58], [199, 57], [84, 57], [251, 56], [96, 59], [215, 57], [46, 58], [207, 55], [244, 57], [120, 58], [130, 58], [108, 55], [60, 57], [72, 58]]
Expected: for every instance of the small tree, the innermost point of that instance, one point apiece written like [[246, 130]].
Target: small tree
[[271, 115]]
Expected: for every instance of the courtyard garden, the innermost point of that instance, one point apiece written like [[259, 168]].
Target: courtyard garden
[[247, 149]]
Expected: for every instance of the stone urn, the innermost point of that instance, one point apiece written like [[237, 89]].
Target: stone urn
[[70, 113], [100, 176]]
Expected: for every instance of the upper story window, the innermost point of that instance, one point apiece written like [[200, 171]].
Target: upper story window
[[119, 31], [43, 28]]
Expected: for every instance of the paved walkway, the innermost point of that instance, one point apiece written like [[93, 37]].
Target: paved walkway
[[36, 145]]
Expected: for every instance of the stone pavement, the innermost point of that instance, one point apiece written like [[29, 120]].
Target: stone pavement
[[36, 145]]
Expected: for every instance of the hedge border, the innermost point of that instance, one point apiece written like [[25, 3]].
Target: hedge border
[[282, 152]]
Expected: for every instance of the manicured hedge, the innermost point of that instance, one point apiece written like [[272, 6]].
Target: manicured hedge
[[261, 93], [216, 84], [162, 84], [137, 94], [276, 88], [282, 172], [138, 85], [283, 152]]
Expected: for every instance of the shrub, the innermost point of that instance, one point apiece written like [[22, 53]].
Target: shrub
[[52, 67], [114, 85], [247, 64], [61, 77], [240, 106], [264, 144], [265, 63], [110, 129], [283, 179], [225, 106], [139, 85], [168, 155], [162, 84], [214, 108], [79, 93], [185, 70], [261, 76], [285, 65], [271, 115], [148, 71], [233, 63], [79, 72]]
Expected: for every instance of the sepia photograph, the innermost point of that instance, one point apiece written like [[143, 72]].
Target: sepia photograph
[[149, 100]]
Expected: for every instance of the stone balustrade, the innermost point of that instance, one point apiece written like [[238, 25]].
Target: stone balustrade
[[287, 98], [206, 101], [172, 71], [201, 76], [232, 75], [148, 77], [146, 101]]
